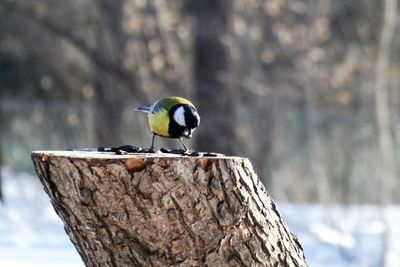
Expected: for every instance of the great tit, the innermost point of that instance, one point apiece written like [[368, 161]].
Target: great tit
[[172, 117]]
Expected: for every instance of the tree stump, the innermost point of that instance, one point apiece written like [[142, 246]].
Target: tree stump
[[166, 210]]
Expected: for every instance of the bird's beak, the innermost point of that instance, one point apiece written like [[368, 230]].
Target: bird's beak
[[188, 133]]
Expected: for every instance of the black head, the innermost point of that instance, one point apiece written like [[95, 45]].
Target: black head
[[192, 117], [183, 120]]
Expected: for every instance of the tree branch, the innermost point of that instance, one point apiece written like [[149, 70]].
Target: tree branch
[[93, 55]]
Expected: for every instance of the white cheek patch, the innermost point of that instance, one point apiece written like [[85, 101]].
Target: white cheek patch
[[179, 116]]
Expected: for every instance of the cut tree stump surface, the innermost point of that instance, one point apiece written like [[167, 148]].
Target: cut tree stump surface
[[166, 210]]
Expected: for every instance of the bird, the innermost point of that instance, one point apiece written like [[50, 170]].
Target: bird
[[172, 117]]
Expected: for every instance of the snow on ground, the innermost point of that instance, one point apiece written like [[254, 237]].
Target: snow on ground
[[356, 235], [31, 234]]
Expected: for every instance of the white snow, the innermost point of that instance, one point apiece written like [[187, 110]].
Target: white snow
[[354, 235], [31, 234]]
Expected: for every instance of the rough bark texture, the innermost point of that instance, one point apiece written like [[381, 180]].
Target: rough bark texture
[[155, 210]]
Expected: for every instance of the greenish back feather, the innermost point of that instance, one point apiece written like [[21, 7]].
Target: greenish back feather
[[167, 103]]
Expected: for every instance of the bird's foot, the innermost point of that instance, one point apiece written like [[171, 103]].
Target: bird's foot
[[152, 150]]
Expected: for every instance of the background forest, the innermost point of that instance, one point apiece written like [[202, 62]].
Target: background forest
[[308, 90]]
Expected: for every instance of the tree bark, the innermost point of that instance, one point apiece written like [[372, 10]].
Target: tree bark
[[157, 210]]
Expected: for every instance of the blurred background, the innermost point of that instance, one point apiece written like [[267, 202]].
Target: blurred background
[[308, 90]]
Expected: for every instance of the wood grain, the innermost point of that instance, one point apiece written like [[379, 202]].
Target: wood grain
[[157, 210]]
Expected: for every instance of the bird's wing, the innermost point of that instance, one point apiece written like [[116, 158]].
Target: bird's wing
[[169, 102], [164, 104]]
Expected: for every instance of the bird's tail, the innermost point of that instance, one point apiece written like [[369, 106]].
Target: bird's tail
[[143, 109]]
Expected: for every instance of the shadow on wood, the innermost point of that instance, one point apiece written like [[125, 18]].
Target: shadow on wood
[[157, 210]]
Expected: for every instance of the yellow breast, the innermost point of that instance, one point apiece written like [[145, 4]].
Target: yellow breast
[[159, 122]]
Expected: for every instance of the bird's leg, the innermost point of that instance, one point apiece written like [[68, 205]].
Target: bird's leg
[[152, 141], [180, 140]]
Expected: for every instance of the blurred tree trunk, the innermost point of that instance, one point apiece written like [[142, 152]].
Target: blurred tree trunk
[[315, 143], [265, 134], [212, 65], [143, 210], [382, 100], [382, 110], [108, 111], [1, 154], [109, 96]]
